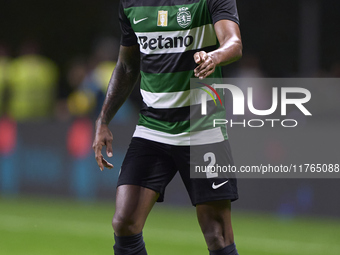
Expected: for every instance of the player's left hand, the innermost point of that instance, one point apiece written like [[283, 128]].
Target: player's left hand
[[206, 64]]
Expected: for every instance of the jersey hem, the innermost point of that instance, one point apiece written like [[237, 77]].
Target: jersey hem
[[209, 136]]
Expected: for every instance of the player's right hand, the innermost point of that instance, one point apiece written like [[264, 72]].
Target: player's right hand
[[103, 137], [206, 65]]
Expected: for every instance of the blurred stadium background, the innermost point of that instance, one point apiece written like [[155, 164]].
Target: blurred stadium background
[[56, 58]]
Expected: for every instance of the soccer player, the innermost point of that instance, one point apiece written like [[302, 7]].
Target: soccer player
[[167, 42]]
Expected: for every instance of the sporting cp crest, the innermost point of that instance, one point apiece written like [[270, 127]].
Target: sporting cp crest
[[183, 17]]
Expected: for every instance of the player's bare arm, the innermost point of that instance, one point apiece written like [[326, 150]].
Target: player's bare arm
[[120, 86], [230, 50]]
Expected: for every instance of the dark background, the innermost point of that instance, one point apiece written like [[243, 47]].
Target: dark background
[[270, 29]]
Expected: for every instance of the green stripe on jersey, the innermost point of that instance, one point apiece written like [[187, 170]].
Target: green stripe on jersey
[[166, 82], [136, 14]]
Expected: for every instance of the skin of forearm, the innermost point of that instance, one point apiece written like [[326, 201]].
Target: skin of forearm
[[120, 86], [230, 51], [229, 37]]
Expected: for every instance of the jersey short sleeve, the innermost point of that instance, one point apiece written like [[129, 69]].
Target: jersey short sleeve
[[128, 37], [223, 9]]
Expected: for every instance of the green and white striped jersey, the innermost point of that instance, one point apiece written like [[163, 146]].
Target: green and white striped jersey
[[169, 33]]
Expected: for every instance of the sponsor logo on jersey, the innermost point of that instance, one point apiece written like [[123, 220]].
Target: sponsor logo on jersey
[[165, 42], [162, 19], [184, 17]]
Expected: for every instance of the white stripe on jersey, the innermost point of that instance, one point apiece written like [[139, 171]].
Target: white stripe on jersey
[[203, 36], [174, 99], [166, 100], [209, 136]]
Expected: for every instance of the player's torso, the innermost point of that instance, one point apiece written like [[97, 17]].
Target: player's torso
[[169, 33]]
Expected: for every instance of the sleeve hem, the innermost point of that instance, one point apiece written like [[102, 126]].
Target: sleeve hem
[[222, 17]]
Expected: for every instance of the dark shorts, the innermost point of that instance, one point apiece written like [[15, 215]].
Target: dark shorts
[[152, 165]]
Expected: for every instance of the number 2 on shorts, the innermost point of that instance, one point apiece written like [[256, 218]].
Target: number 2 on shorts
[[212, 158]]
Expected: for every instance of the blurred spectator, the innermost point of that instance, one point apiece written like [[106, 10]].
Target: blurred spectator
[[32, 84], [67, 105], [90, 86], [96, 82], [87, 80], [4, 62], [105, 49]]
